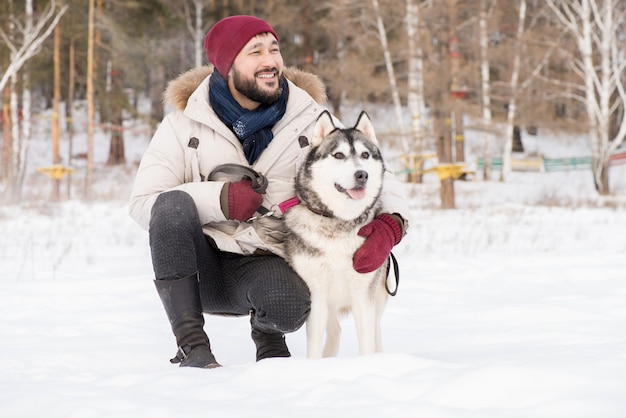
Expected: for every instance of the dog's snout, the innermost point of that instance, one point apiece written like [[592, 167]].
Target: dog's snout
[[361, 177]]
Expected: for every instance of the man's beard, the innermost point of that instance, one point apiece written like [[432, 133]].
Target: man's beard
[[249, 88]]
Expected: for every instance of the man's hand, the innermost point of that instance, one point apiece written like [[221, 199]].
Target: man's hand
[[239, 201], [380, 237]]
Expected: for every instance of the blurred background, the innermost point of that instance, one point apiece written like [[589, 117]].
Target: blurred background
[[86, 77]]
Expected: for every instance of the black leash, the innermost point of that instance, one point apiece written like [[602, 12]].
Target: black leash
[[396, 272]]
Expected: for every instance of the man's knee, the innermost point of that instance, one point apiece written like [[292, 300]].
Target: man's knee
[[285, 308], [174, 209]]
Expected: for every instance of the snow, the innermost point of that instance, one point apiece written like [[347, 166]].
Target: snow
[[511, 305]]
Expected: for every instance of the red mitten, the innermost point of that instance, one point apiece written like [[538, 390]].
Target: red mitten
[[380, 237], [241, 201]]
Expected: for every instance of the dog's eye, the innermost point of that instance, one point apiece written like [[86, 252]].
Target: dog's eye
[[365, 155], [339, 155]]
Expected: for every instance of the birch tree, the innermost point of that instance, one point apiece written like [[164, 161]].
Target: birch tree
[[596, 27], [196, 28], [512, 108], [415, 95], [485, 86]]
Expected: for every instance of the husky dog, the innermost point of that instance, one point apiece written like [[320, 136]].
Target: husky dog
[[338, 186]]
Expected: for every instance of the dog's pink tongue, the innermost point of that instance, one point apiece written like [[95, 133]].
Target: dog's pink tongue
[[356, 194]]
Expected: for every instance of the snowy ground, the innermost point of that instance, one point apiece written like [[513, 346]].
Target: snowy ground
[[512, 305]]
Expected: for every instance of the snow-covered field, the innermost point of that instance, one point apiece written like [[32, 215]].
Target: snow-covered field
[[512, 305]]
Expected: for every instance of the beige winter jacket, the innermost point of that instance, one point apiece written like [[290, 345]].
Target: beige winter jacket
[[191, 141]]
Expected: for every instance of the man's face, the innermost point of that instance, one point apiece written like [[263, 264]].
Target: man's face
[[256, 74]]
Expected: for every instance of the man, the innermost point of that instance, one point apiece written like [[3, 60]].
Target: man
[[210, 253]]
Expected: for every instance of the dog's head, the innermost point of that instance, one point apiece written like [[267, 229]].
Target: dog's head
[[343, 173]]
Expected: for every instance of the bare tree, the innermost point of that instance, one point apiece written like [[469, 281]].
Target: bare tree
[[596, 27], [33, 36], [31, 41]]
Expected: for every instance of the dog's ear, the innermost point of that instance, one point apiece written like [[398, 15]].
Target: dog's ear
[[323, 127], [364, 124]]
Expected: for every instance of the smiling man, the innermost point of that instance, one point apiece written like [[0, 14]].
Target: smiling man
[[216, 239]]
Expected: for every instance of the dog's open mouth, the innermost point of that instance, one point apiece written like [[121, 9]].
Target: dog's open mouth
[[356, 193]]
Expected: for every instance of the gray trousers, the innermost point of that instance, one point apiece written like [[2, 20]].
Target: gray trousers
[[229, 283]]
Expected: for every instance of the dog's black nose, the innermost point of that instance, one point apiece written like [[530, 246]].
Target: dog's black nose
[[360, 177]]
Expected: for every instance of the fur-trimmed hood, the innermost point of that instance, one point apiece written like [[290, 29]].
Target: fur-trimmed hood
[[180, 89]]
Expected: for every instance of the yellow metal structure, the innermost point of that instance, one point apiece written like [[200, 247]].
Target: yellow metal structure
[[56, 172], [415, 162], [451, 170]]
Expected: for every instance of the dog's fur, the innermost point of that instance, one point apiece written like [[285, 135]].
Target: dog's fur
[[339, 186]]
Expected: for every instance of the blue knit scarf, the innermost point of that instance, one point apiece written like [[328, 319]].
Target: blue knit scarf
[[252, 127]]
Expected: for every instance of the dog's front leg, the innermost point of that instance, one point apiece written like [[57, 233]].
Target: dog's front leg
[[315, 325], [364, 313], [381, 300], [333, 333]]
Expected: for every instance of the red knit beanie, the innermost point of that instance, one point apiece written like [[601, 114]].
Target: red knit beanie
[[226, 38]]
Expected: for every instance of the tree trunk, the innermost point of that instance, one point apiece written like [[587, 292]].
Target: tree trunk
[[27, 119], [69, 107], [443, 134], [14, 118], [15, 139], [601, 176], [510, 119], [157, 85], [116, 102], [456, 92], [198, 32], [56, 110], [7, 155], [90, 101], [415, 97], [459, 132], [306, 60], [485, 88], [382, 35]]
